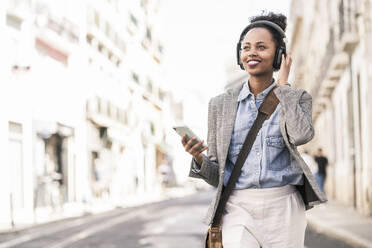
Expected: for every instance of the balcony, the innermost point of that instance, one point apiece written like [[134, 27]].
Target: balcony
[[332, 68], [349, 41], [104, 113]]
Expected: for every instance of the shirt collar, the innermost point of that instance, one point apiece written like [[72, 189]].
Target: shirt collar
[[245, 92]]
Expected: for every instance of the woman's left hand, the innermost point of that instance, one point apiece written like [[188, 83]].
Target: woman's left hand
[[284, 69]]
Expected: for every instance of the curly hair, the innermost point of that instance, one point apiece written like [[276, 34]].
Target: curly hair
[[279, 19]]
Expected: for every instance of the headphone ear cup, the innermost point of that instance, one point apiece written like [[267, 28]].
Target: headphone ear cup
[[241, 63], [278, 58], [238, 56]]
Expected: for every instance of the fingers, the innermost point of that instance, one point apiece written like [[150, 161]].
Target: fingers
[[196, 149], [285, 68], [193, 149], [287, 58], [283, 62], [286, 64], [203, 149]]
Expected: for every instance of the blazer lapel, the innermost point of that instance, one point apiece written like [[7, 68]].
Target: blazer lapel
[[230, 107]]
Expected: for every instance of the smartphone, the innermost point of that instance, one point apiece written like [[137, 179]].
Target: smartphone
[[182, 130]]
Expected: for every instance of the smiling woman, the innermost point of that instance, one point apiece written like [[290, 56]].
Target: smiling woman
[[274, 187]]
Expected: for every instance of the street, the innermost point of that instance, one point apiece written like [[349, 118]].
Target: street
[[173, 223]]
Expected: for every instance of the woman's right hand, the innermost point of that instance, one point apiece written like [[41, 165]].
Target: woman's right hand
[[194, 150]]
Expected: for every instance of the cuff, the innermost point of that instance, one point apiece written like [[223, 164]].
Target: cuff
[[195, 166]]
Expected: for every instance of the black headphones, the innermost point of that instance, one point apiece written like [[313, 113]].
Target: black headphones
[[281, 49]]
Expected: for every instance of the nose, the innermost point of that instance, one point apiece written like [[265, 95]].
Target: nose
[[252, 53], [249, 56]]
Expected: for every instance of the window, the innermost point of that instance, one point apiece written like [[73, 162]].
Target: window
[[16, 164], [160, 48], [135, 77], [14, 21], [149, 85], [116, 39], [134, 19], [162, 94], [341, 18], [118, 115], [109, 109], [126, 117], [99, 105], [148, 34], [144, 3], [107, 29], [21, 5], [122, 46], [152, 127], [96, 19]]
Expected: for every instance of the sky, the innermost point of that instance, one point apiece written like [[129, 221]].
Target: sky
[[200, 37]]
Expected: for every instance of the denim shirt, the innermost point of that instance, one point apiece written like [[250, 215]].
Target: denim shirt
[[268, 163]]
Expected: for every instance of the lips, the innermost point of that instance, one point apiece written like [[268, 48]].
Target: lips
[[253, 62]]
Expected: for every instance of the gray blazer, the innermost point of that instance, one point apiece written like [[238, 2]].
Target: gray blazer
[[295, 122]]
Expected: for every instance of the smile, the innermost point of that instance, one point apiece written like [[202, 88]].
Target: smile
[[253, 62]]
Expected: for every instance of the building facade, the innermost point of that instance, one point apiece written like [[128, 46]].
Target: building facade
[[332, 60], [82, 105]]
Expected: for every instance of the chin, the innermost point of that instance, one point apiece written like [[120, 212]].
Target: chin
[[257, 73]]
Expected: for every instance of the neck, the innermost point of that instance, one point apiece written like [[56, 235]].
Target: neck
[[258, 84]]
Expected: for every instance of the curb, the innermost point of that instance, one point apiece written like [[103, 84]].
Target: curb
[[338, 233]]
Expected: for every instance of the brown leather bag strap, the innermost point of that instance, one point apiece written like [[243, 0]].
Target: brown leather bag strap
[[264, 112]]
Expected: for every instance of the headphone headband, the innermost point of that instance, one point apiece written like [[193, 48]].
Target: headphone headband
[[265, 22], [271, 24]]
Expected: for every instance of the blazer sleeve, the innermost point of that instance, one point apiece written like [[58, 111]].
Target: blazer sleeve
[[209, 169], [297, 107]]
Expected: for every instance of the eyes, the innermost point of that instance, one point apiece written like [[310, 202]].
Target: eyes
[[259, 47]]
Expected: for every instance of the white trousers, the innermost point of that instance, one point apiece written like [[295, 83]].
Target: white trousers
[[267, 218]]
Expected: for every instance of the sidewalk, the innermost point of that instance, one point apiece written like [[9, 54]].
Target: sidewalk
[[341, 222]]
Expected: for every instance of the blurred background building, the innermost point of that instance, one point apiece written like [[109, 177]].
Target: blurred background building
[[330, 42], [83, 108]]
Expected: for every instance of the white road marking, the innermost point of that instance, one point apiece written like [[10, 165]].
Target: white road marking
[[28, 237], [46, 231], [97, 228]]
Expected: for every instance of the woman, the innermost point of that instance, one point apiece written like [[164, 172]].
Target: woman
[[267, 206]]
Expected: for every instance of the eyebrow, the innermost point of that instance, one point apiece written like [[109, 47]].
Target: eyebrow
[[258, 42]]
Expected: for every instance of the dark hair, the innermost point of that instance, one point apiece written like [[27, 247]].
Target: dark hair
[[279, 19]]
